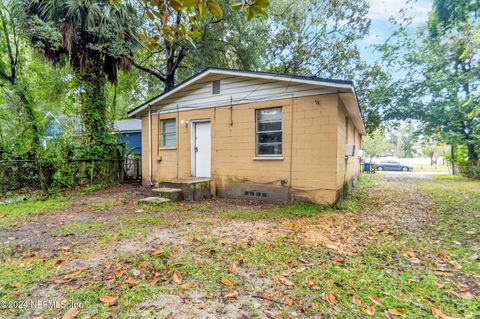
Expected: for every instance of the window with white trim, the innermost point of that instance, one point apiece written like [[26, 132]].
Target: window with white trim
[[169, 133], [269, 132]]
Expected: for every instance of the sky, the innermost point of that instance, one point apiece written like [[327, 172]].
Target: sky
[[381, 28]]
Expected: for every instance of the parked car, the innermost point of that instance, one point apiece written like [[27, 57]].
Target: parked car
[[392, 166]]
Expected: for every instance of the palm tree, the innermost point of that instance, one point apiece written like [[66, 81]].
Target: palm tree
[[96, 37]]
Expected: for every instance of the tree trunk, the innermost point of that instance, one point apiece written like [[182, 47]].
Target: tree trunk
[[93, 112], [170, 80], [472, 154], [31, 121], [452, 153]]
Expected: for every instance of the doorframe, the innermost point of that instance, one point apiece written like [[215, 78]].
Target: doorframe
[[193, 154]]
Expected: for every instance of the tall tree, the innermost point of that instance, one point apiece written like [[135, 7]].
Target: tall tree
[[174, 28], [14, 86], [440, 83], [96, 38]]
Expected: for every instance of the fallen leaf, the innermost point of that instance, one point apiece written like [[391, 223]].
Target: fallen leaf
[[455, 264], [227, 282], [444, 273], [18, 292], [356, 300], [177, 277], [409, 254], [158, 252], [132, 281], [232, 268], [27, 261], [443, 257], [369, 310], [270, 315], [285, 281], [240, 259], [309, 281], [73, 274], [153, 282], [330, 298], [338, 260], [464, 294], [436, 312], [231, 295], [397, 312], [72, 312], [109, 300], [388, 315], [375, 300]]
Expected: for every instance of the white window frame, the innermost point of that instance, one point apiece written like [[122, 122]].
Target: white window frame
[[257, 133], [163, 133]]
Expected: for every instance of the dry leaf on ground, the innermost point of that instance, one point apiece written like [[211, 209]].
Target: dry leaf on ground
[[396, 312], [227, 282], [285, 281], [375, 300], [109, 300], [27, 261], [73, 274], [177, 277], [369, 310], [437, 313], [232, 268], [464, 294], [231, 295], [71, 313], [330, 298], [158, 252], [132, 281], [356, 300]]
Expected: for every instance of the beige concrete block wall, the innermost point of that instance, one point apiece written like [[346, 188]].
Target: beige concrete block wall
[[348, 168], [309, 165]]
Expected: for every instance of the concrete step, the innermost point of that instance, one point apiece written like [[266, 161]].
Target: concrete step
[[174, 194], [192, 188], [154, 200]]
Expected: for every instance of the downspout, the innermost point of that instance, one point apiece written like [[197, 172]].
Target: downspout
[[291, 155], [177, 138], [150, 145]]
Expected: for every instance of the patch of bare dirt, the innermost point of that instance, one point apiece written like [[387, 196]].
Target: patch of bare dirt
[[335, 230], [238, 230]]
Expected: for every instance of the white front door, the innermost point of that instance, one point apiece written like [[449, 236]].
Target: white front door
[[201, 150]]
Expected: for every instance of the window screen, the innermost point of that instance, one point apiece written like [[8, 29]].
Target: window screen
[[169, 136], [269, 132]]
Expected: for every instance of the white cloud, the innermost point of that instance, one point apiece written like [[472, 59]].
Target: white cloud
[[384, 9]]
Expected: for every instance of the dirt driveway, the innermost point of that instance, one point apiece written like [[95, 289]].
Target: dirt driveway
[[399, 246]]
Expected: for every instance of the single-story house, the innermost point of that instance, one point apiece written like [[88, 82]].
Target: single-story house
[[255, 135], [127, 132]]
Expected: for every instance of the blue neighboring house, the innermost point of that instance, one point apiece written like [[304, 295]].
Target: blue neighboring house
[[128, 132]]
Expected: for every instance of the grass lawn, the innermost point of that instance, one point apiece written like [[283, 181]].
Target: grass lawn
[[398, 247]]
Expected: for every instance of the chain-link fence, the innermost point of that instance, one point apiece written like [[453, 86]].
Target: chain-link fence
[[25, 175]]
